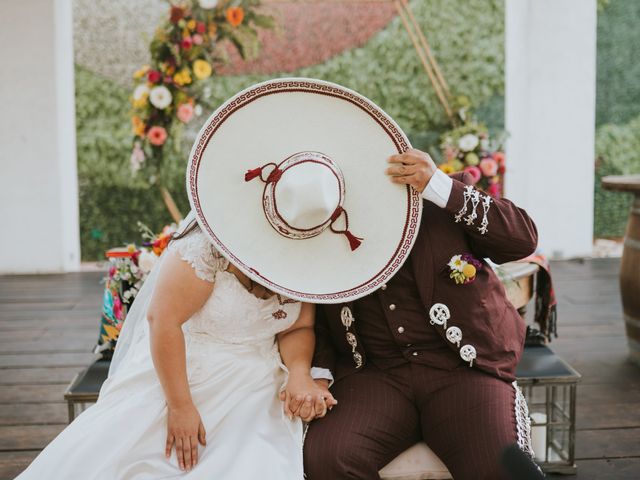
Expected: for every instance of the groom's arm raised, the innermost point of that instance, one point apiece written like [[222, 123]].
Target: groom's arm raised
[[496, 228]]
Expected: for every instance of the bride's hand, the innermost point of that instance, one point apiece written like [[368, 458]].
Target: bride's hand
[[184, 431], [304, 398]]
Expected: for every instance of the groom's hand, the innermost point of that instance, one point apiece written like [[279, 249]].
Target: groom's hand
[[412, 167], [330, 401]]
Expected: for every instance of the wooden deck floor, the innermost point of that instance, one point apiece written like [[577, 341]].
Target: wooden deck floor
[[48, 325]]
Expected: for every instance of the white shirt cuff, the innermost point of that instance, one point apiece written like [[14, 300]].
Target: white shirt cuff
[[438, 189], [321, 373]]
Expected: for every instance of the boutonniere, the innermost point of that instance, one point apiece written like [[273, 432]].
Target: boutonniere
[[463, 268]]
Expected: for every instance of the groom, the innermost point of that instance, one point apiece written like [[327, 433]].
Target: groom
[[432, 354]]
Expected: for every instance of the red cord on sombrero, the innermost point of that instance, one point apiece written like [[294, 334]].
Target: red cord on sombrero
[[274, 176], [354, 242]]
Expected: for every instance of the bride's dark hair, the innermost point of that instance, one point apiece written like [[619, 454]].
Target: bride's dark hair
[[191, 226]]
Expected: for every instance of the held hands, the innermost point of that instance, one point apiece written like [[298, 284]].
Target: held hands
[[184, 432], [305, 398], [412, 167]]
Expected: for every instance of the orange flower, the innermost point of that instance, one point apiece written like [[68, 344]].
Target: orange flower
[[160, 244], [235, 15], [213, 29]]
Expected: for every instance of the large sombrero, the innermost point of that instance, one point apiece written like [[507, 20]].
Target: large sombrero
[[287, 178]]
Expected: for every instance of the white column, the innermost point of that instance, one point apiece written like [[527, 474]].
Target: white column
[[550, 117], [38, 176]]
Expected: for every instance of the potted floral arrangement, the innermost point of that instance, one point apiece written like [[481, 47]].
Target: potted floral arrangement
[[469, 148], [128, 269]]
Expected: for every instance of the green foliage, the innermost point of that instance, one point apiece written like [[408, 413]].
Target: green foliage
[[465, 35], [618, 68], [618, 153], [110, 198], [467, 38]]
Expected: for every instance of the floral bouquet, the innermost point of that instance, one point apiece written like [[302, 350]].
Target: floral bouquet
[[128, 269], [185, 50], [468, 148]]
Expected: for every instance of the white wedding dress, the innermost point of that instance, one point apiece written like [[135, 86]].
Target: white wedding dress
[[235, 374]]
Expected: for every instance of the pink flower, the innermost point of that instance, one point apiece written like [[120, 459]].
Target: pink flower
[[137, 157], [475, 173], [499, 157], [197, 39], [187, 43], [185, 112], [489, 167], [495, 190], [157, 135]]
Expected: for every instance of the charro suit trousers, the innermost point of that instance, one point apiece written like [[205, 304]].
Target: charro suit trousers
[[466, 416]]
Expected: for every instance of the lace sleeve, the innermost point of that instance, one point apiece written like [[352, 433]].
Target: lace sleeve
[[197, 250]]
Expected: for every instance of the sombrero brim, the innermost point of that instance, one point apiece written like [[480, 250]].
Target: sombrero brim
[[269, 122]]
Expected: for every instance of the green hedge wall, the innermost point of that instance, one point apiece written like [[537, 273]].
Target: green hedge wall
[[618, 68], [465, 35], [618, 153]]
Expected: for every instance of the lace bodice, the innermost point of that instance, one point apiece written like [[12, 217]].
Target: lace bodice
[[231, 314]]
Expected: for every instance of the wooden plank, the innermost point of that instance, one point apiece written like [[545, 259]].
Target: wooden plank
[[614, 443], [604, 469], [13, 463], [33, 393], [52, 360], [27, 437], [37, 375], [33, 414], [608, 415]]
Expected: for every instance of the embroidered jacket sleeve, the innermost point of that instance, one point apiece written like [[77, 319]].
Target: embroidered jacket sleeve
[[196, 249], [497, 229], [324, 357]]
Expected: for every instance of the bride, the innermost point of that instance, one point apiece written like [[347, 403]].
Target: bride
[[193, 391]]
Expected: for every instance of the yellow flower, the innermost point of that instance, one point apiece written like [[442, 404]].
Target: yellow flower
[[138, 126], [141, 72], [201, 69], [140, 102], [183, 77], [131, 248], [469, 271], [191, 24], [446, 168]]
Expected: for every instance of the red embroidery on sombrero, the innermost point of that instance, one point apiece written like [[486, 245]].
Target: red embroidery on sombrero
[[354, 242]]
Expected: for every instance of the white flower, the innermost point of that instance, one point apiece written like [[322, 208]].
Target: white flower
[[207, 4], [160, 97], [198, 110], [147, 261], [466, 143], [127, 295], [141, 91], [456, 263], [484, 144]]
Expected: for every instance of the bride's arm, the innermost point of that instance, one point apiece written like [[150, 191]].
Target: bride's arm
[[302, 396], [178, 294]]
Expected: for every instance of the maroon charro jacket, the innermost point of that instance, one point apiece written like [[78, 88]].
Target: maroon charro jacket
[[492, 332]]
